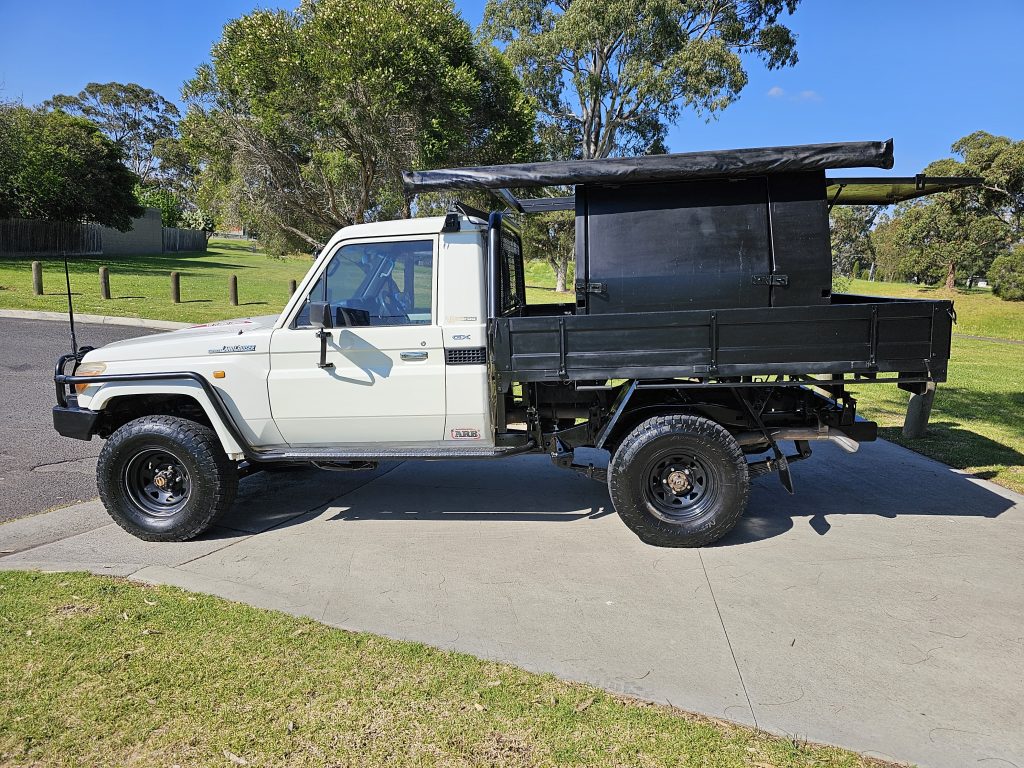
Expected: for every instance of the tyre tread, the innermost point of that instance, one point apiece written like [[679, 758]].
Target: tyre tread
[[660, 533], [200, 442]]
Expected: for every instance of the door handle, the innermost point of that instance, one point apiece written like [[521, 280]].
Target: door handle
[[413, 356]]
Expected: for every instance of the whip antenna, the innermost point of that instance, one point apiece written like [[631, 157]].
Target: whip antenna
[[71, 308]]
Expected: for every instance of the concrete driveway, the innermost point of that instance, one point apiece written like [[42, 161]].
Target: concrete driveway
[[881, 608]]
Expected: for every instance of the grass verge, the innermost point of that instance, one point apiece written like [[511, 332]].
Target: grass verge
[[97, 671], [140, 284]]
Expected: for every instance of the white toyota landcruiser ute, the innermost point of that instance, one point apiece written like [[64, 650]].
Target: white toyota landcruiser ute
[[703, 331]]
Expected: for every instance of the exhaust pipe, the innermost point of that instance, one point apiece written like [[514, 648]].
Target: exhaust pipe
[[845, 442]]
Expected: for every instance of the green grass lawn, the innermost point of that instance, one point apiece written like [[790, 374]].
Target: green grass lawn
[[140, 284], [979, 313], [97, 671], [540, 285], [977, 421]]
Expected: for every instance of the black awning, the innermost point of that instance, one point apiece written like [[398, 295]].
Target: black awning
[[866, 190], [545, 204], [726, 163], [887, 191]]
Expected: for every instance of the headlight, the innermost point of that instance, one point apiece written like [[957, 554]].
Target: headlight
[[88, 369]]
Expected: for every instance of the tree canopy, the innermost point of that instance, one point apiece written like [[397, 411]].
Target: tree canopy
[[951, 237], [138, 119], [610, 76], [955, 236], [1007, 275], [62, 168], [942, 240], [303, 120], [853, 237]]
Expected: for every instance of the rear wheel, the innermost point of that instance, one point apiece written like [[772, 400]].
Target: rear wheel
[[164, 478], [679, 481]]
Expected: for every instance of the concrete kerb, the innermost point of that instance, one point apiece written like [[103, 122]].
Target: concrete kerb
[[138, 322]]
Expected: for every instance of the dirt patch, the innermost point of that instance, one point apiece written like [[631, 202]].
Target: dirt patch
[[74, 609]]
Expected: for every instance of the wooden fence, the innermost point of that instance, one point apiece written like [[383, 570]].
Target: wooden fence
[[178, 240], [31, 237], [28, 237]]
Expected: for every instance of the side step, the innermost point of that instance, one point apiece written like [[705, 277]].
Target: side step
[[395, 452]]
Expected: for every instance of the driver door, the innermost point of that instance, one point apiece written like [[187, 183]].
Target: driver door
[[387, 383]]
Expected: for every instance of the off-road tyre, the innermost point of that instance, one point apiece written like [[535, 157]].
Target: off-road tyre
[[201, 481], [705, 466]]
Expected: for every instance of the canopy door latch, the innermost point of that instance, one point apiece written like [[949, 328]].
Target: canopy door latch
[[774, 279]]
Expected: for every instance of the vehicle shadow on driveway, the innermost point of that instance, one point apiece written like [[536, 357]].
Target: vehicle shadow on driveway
[[520, 489], [882, 479]]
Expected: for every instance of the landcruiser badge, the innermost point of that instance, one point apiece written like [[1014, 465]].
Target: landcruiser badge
[[461, 433], [234, 348]]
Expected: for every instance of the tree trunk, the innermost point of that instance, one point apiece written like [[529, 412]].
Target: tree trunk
[[561, 268], [871, 272], [951, 276]]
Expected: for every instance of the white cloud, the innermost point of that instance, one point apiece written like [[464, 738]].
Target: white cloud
[[777, 92]]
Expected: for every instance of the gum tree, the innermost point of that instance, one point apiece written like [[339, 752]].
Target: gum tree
[[303, 120], [614, 74], [853, 237], [137, 119]]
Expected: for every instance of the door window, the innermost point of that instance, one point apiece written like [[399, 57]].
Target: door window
[[377, 284]]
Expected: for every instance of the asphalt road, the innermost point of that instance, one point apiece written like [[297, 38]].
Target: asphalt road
[[39, 469]]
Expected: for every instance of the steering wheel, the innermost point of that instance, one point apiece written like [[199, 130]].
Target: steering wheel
[[392, 302]]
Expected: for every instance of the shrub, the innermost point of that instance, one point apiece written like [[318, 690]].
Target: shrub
[[194, 218], [162, 199], [1007, 275]]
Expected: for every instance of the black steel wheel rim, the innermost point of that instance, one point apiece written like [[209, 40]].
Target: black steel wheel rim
[[157, 482], [680, 486]]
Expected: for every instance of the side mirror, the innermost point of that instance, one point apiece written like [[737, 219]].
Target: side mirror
[[321, 315]]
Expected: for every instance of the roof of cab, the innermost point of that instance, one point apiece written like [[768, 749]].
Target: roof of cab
[[425, 225]]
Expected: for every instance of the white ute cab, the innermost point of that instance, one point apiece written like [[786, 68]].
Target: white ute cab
[[396, 369]]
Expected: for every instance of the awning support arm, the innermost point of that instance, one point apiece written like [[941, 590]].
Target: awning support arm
[[835, 197]]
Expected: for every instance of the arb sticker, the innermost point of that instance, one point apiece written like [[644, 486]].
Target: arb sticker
[[462, 433]]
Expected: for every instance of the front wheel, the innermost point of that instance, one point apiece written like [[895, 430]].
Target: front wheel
[[679, 481], [163, 478]]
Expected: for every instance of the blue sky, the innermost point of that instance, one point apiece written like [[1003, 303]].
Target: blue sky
[[922, 71]]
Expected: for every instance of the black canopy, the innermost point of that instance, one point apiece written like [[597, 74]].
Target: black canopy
[[688, 165]]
